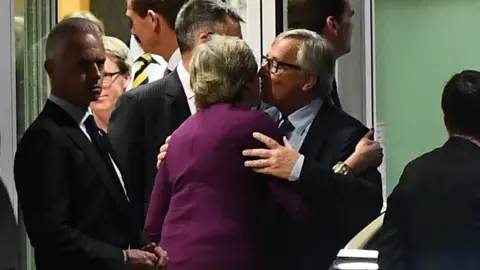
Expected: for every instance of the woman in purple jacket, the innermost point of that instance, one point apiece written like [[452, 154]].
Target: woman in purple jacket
[[206, 206]]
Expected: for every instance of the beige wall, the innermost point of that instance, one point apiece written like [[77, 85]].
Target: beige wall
[[65, 7]]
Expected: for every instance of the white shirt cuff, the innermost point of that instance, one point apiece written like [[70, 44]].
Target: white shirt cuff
[[297, 169]]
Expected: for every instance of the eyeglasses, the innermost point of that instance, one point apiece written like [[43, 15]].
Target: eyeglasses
[[109, 78], [273, 65]]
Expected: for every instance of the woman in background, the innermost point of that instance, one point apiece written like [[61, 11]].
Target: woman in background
[[206, 206], [115, 80]]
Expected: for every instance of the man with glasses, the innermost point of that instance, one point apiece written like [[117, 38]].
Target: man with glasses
[[328, 156]]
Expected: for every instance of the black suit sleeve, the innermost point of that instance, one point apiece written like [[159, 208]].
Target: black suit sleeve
[[357, 197], [42, 171], [125, 132], [389, 239]]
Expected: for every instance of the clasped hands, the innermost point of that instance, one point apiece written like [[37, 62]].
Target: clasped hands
[[150, 257], [279, 160]]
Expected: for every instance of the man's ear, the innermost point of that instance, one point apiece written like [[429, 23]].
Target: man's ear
[[332, 25], [311, 81], [204, 36], [155, 20], [49, 66]]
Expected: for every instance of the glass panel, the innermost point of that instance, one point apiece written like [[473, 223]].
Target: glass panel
[[31, 80], [33, 21], [241, 7]]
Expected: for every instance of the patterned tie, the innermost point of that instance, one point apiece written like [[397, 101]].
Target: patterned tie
[[141, 76]]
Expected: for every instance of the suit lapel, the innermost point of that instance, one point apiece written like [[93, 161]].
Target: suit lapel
[[81, 141], [176, 104], [319, 130]]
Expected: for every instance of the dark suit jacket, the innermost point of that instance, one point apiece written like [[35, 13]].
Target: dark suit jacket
[[343, 205], [206, 206], [433, 215], [76, 215], [143, 118], [9, 231]]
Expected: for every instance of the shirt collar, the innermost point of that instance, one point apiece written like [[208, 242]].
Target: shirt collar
[[185, 80], [78, 115], [302, 117], [175, 59]]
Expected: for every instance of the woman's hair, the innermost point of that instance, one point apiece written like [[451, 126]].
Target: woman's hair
[[87, 15], [220, 70], [119, 51]]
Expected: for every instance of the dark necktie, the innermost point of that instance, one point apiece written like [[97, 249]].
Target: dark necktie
[[166, 72], [285, 127], [101, 145]]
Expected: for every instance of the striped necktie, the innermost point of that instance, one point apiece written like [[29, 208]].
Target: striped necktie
[[141, 77]]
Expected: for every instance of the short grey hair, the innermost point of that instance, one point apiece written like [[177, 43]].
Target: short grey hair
[[117, 49], [201, 14], [64, 31], [315, 55], [220, 69]]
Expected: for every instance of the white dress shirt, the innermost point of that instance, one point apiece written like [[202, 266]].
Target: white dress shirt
[[301, 120], [79, 116], [156, 69], [185, 80]]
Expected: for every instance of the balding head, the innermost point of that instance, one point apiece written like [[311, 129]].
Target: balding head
[[75, 58], [65, 30]]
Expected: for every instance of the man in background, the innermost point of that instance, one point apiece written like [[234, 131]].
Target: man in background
[[145, 116], [432, 220], [153, 23], [74, 201], [332, 19]]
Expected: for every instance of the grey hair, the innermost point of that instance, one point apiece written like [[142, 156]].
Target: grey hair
[[220, 69], [201, 15], [118, 50], [315, 55], [65, 30]]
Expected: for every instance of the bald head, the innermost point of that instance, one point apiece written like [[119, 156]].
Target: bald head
[[65, 31]]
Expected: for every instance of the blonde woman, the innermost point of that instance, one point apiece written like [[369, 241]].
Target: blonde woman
[[206, 207], [115, 80]]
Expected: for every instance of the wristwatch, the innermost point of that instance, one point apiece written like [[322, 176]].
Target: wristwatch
[[341, 168]]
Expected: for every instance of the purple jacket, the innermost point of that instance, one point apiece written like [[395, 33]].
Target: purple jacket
[[206, 207]]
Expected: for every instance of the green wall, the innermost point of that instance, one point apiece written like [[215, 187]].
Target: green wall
[[420, 44]]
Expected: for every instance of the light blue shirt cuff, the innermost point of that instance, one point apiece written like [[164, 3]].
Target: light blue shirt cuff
[[297, 169]]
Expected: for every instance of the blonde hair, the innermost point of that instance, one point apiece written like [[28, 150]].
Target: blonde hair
[[119, 50], [89, 16], [220, 69]]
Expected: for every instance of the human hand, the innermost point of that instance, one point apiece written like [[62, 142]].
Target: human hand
[[163, 152], [368, 153], [277, 160], [140, 259], [160, 253]]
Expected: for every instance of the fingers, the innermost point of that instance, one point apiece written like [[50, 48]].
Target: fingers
[[262, 153], [370, 134], [160, 158], [164, 148], [150, 258], [260, 163], [287, 143], [269, 142], [168, 139]]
